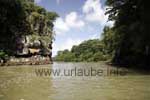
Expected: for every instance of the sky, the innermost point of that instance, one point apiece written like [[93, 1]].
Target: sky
[[79, 20]]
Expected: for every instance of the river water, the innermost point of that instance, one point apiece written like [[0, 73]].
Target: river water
[[24, 83]]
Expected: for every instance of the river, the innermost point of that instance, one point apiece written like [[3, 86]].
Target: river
[[23, 83]]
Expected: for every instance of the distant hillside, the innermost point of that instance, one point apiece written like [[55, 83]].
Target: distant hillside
[[91, 50]]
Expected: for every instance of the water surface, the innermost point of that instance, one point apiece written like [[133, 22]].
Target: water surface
[[22, 83]]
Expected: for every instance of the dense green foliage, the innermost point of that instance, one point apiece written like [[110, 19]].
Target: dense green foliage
[[21, 18], [12, 23], [91, 50], [127, 42], [3, 54], [131, 31]]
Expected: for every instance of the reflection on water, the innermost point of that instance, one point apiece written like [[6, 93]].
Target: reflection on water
[[21, 83]]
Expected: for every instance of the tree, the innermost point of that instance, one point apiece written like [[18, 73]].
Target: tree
[[90, 50], [12, 23], [21, 18], [131, 31]]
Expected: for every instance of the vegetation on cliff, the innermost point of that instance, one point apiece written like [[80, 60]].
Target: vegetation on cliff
[[23, 19]]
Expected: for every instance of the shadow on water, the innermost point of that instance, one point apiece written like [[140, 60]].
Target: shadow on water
[[138, 69]]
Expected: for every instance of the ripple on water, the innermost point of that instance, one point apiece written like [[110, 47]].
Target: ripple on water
[[21, 83]]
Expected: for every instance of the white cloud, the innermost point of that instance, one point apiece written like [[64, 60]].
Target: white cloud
[[37, 1], [94, 36], [72, 20], [110, 23], [65, 45], [58, 1], [94, 12], [60, 26]]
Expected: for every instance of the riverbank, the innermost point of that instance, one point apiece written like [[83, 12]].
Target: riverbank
[[34, 60]]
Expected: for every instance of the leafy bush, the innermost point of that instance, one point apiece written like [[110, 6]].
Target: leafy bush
[[3, 55]]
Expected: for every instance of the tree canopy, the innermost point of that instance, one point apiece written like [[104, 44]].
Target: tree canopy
[[23, 17], [90, 50], [131, 31]]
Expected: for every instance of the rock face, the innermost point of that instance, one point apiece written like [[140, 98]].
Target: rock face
[[31, 51], [26, 29], [39, 41], [28, 46], [25, 43]]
